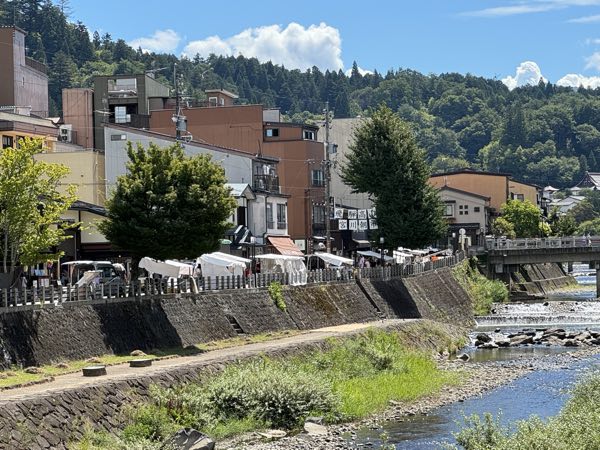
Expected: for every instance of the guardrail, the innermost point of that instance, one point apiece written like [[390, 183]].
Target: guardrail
[[533, 243], [57, 296]]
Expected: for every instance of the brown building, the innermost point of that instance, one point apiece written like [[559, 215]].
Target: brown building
[[258, 131], [23, 81], [499, 187], [78, 106]]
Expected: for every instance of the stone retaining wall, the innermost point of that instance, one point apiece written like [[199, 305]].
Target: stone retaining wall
[[54, 334], [539, 279]]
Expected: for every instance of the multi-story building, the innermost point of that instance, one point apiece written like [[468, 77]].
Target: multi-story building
[[467, 211], [24, 82], [258, 131], [499, 187], [125, 100], [262, 206], [18, 126]]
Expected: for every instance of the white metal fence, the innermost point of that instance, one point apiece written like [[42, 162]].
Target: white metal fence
[[533, 243], [16, 298]]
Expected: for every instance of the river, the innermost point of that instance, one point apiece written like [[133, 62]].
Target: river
[[541, 392]]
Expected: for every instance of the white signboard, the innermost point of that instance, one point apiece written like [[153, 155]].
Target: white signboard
[[362, 213], [352, 214], [342, 224], [339, 213], [373, 224], [363, 225], [353, 225]]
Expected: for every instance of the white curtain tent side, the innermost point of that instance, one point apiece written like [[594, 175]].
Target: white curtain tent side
[[292, 265], [215, 266], [172, 269], [334, 260]]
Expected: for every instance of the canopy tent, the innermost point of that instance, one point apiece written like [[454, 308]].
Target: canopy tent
[[168, 268], [72, 263], [334, 260], [285, 246], [373, 254], [221, 265], [292, 265]]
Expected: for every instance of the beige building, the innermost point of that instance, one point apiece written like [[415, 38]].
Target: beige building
[[17, 126], [467, 211], [499, 187]]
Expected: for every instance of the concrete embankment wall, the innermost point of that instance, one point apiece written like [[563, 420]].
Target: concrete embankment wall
[[54, 334], [55, 419], [539, 279]]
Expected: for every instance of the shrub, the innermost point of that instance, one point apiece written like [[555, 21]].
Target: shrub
[[149, 422], [270, 392], [483, 291], [276, 294]]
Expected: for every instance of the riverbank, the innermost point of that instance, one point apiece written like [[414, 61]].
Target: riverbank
[[482, 377]]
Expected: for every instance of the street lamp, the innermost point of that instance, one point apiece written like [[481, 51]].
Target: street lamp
[[253, 242], [381, 242]]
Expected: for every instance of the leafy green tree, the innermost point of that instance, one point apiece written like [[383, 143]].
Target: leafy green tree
[[32, 200], [591, 227], [564, 226], [168, 205], [447, 164], [524, 216], [385, 162], [502, 227], [583, 211]]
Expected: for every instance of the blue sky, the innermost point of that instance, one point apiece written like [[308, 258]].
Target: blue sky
[[483, 37]]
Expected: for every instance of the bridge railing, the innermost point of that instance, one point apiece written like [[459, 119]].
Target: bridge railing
[[534, 243]]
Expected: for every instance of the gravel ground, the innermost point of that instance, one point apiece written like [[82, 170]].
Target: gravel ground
[[482, 377]]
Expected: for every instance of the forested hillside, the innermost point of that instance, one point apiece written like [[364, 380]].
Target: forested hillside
[[544, 134]]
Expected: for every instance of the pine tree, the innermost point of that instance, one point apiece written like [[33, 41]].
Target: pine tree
[[592, 163], [385, 162]]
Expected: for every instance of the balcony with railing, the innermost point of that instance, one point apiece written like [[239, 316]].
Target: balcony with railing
[[267, 183], [40, 67]]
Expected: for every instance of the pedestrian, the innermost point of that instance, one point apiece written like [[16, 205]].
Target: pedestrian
[[361, 262], [367, 264]]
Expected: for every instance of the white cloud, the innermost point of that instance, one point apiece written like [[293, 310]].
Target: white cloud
[[592, 41], [165, 41], [593, 61], [528, 73], [294, 46], [575, 80], [362, 71], [512, 10], [586, 19]]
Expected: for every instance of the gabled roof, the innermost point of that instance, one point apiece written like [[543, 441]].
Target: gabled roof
[[241, 190], [460, 191]]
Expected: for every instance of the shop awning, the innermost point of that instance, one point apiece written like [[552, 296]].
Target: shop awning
[[285, 246], [334, 260], [360, 243]]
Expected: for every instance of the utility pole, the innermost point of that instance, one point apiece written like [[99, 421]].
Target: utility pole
[[327, 174], [177, 110]]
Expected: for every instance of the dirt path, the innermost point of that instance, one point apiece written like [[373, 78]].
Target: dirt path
[[123, 371]]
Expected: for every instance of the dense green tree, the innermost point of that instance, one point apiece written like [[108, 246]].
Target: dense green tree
[[583, 211], [589, 227], [447, 164], [168, 205], [524, 216], [564, 226], [33, 200], [385, 162]]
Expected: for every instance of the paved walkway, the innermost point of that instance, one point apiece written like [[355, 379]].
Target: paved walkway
[[123, 371]]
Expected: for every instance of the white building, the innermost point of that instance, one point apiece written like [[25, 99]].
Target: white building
[[262, 208]]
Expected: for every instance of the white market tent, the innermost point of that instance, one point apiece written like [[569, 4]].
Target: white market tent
[[222, 265], [292, 265], [373, 254], [168, 268], [334, 260]]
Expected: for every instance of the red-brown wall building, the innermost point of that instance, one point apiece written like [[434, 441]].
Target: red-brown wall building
[[245, 127]]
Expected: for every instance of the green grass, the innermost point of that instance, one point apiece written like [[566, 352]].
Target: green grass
[[350, 379], [364, 396], [483, 291]]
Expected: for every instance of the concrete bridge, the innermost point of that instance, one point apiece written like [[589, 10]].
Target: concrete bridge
[[505, 255]]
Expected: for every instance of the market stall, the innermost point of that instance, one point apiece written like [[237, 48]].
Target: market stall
[[284, 264]]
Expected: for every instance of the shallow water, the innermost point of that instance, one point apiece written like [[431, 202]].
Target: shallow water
[[542, 393]]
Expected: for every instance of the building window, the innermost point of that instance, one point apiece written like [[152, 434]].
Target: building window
[[121, 115], [317, 178], [7, 141], [281, 216], [272, 132], [270, 221], [308, 134], [448, 210], [212, 101], [319, 214], [19, 140], [476, 209]]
